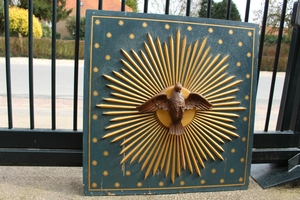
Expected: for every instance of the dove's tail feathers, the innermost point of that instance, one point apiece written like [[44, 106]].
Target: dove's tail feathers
[[176, 129]]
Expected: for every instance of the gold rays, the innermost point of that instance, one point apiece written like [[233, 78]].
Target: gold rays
[[149, 72]]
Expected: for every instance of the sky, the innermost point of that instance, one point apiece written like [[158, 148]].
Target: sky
[[241, 5]]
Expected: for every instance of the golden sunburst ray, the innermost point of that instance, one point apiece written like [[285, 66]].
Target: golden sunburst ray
[[146, 137], [156, 61], [149, 66], [161, 54], [150, 81]]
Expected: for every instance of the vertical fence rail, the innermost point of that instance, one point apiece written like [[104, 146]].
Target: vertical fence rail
[[30, 62], [53, 66], [7, 63], [228, 9], [275, 65], [123, 5], [247, 11], [76, 58], [167, 7], [188, 7], [262, 37], [145, 6], [100, 5], [208, 14]]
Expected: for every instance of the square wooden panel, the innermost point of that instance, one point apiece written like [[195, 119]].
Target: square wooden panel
[[130, 58]]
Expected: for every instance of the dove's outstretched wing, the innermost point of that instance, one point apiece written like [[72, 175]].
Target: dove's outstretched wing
[[197, 101], [159, 101]]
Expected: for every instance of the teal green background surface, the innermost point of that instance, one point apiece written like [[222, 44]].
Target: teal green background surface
[[116, 181]]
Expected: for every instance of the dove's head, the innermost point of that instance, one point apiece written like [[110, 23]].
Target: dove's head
[[178, 87]]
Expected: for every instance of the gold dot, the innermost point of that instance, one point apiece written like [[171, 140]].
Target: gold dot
[[131, 36], [230, 32], [213, 171], [241, 179], [202, 182], [94, 140], [247, 97], [121, 23], [167, 26], [95, 69], [161, 184], [222, 180], [128, 173], [189, 28], [238, 64], [247, 75], [105, 173], [107, 57], [210, 30], [249, 34], [96, 45], [240, 44], [248, 54], [105, 153], [220, 41], [245, 119], [182, 183], [97, 22], [231, 170], [242, 159], [244, 139], [94, 162], [139, 184], [94, 185], [117, 184], [233, 150], [95, 93], [95, 117], [144, 24], [109, 35]]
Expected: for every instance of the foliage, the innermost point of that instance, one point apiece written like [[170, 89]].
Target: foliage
[[71, 26], [47, 32], [1, 16], [272, 39], [177, 7], [132, 4], [18, 23], [43, 9], [219, 9], [42, 48], [274, 16]]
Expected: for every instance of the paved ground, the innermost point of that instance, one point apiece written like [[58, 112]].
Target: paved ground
[[66, 182]]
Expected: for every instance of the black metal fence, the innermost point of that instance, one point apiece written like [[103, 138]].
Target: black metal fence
[[53, 147]]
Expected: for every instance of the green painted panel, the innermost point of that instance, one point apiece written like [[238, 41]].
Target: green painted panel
[[130, 58]]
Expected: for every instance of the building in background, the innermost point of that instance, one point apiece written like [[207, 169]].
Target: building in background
[[114, 5]]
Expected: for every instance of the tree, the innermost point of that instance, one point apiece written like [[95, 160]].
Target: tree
[[132, 4], [42, 9], [274, 16], [219, 10], [177, 7], [18, 23]]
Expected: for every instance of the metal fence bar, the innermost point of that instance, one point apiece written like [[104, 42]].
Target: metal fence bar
[[7, 63], [100, 5], [30, 62], [167, 7], [275, 64], [53, 66], [123, 5], [188, 7], [145, 6], [262, 37], [208, 13], [247, 11], [76, 58], [228, 9]]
